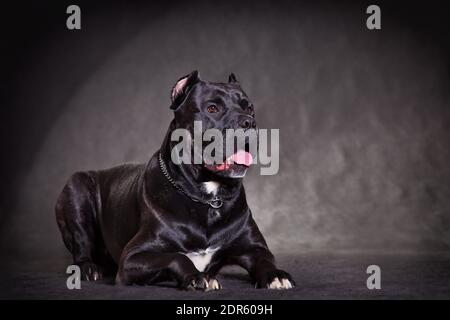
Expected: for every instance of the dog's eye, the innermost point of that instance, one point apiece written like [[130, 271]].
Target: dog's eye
[[213, 109]]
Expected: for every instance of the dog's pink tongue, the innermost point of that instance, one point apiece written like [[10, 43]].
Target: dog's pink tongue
[[242, 157]]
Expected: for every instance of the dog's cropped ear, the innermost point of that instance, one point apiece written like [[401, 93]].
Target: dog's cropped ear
[[232, 78], [182, 87]]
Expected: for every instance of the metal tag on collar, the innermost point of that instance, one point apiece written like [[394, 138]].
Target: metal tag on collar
[[215, 203]]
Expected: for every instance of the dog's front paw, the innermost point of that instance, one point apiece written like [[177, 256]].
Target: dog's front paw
[[90, 271], [201, 282], [276, 279], [213, 284]]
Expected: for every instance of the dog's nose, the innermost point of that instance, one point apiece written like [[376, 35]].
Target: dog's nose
[[248, 123]]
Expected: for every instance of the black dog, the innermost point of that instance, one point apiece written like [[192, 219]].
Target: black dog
[[164, 221]]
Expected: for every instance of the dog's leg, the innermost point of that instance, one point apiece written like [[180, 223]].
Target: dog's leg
[[75, 212], [250, 251], [219, 260], [259, 262], [144, 267]]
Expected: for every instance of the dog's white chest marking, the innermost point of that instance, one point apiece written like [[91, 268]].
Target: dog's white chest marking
[[201, 258], [211, 187]]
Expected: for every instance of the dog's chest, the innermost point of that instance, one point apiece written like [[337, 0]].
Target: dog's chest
[[201, 258], [211, 187]]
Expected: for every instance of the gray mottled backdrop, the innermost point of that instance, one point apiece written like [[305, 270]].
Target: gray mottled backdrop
[[364, 117]]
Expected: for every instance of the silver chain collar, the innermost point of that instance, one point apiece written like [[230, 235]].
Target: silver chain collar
[[215, 202]]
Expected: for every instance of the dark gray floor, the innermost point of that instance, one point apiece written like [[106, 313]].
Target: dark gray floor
[[318, 276]]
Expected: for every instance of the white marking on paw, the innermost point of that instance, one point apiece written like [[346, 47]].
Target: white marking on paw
[[277, 284], [201, 258], [214, 284], [211, 187], [286, 284]]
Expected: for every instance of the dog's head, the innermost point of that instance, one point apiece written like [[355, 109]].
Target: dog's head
[[218, 106]]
